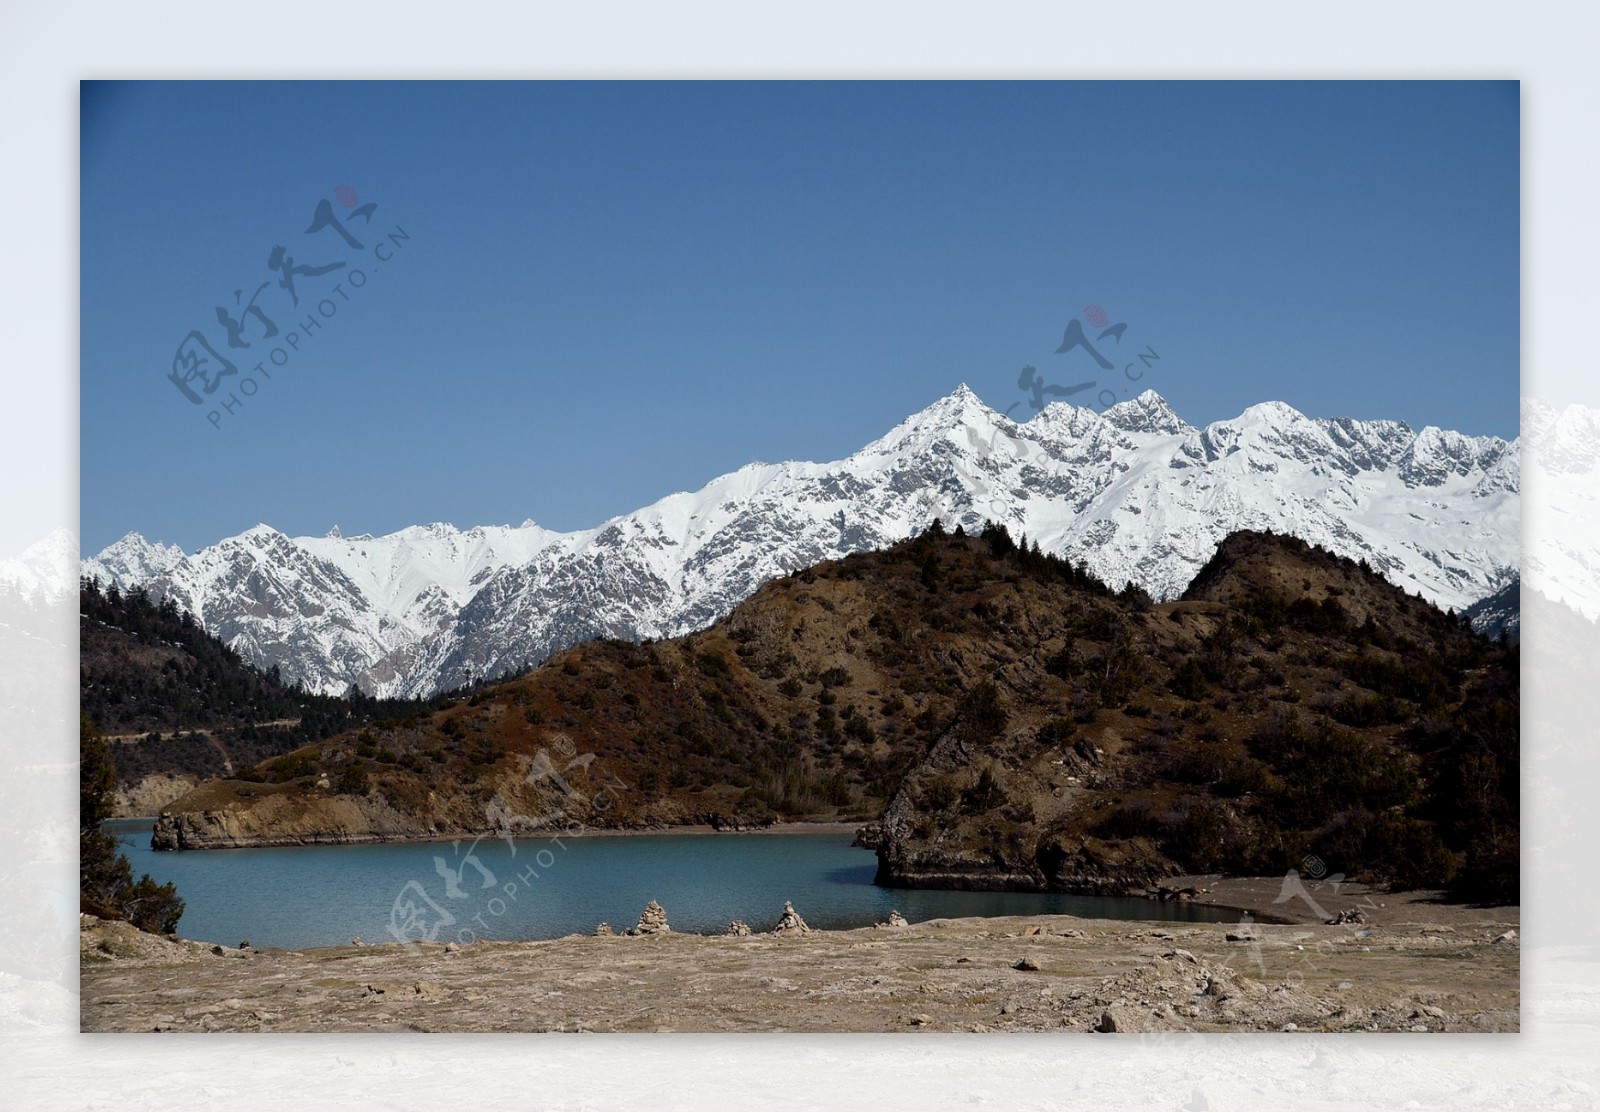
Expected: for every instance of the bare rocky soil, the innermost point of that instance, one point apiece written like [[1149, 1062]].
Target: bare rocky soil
[[1412, 967]]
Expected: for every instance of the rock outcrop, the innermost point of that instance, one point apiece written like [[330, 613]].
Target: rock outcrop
[[276, 818], [150, 794]]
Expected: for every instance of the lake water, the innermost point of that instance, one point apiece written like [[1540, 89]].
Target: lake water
[[540, 889]]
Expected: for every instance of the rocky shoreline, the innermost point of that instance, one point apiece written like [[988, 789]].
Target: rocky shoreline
[[1410, 964], [221, 831]]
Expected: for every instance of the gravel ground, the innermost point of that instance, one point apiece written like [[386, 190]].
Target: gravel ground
[[1413, 966]]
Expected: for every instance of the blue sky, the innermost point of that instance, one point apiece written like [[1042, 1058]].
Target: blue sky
[[613, 291]]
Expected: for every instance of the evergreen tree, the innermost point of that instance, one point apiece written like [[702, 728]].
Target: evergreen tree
[[105, 880]]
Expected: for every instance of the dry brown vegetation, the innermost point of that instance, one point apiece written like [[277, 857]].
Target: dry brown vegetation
[[1012, 721]]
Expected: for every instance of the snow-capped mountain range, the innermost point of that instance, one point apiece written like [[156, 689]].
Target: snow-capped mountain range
[[1136, 492], [43, 572]]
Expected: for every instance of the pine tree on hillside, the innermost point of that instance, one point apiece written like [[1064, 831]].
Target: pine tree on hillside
[[106, 887]]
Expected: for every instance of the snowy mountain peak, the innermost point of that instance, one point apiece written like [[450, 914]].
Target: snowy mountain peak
[[133, 560], [334, 532], [1136, 493], [1272, 415], [260, 533], [961, 406], [960, 416], [1148, 413], [45, 570]]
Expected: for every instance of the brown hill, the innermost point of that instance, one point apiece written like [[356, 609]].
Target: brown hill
[[1014, 723]]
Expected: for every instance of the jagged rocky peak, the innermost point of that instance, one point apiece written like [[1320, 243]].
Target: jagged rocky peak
[[961, 406], [48, 568], [1148, 413], [1135, 493]]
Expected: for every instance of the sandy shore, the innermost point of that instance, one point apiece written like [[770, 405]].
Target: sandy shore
[[1413, 966]]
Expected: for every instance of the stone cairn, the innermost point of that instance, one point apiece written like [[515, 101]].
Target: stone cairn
[[652, 921], [604, 929], [738, 927], [790, 922], [896, 920]]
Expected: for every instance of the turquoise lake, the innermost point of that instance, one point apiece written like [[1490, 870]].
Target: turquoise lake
[[541, 889]]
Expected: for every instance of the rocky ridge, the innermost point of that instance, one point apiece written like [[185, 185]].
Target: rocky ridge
[[1136, 492]]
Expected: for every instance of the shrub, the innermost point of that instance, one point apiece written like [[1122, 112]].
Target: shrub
[[1057, 733], [1189, 681], [712, 663], [938, 794], [985, 794], [105, 879], [980, 717]]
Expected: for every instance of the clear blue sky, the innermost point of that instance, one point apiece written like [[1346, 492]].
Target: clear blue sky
[[615, 291]]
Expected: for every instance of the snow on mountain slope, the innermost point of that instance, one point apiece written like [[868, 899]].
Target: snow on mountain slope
[[1136, 492], [43, 572], [1562, 561]]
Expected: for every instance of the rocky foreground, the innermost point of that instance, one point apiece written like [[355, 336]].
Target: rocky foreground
[[1395, 973]]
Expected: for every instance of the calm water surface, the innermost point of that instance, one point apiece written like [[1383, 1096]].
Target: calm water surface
[[539, 889]]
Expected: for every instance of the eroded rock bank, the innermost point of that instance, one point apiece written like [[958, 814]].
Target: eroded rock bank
[[220, 815], [282, 821], [151, 794]]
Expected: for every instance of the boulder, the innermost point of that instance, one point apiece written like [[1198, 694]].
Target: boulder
[[738, 927], [896, 920], [1120, 1019]]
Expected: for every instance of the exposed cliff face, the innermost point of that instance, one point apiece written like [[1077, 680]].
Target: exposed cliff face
[[151, 794], [287, 820]]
